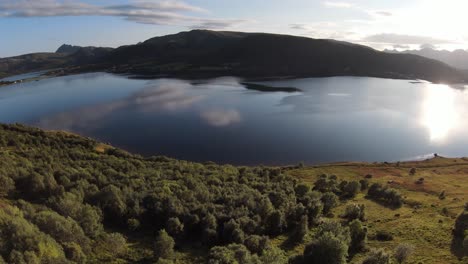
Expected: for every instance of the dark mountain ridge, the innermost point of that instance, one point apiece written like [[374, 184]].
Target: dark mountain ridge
[[204, 53]]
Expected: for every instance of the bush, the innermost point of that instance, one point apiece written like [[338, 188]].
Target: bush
[[327, 248], [358, 235], [164, 245], [402, 252], [174, 227], [364, 184], [301, 230], [6, 185], [232, 254], [351, 189], [377, 256], [355, 211], [329, 200], [387, 195], [383, 236]]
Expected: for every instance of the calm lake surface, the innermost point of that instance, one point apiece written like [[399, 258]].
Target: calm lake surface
[[331, 119]]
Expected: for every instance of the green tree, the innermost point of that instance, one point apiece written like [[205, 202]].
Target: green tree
[[301, 230], [358, 235], [174, 227], [6, 185], [164, 245], [327, 248], [329, 200]]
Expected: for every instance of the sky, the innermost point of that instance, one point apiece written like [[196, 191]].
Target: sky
[[28, 26]]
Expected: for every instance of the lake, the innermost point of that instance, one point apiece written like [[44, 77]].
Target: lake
[[323, 120]]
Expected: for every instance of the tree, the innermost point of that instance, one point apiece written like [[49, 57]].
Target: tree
[[327, 248], [301, 229], [6, 185], [377, 256], [232, 254], [329, 200], [351, 189], [164, 245], [358, 235], [355, 211], [402, 252], [275, 222], [174, 227], [257, 244]]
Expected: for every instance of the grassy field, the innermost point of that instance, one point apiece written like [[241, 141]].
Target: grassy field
[[424, 221]]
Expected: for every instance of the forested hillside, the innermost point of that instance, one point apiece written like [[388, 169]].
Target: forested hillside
[[69, 199]]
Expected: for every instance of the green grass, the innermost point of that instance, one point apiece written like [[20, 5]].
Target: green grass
[[424, 226]]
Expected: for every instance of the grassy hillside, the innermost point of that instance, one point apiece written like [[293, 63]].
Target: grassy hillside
[[69, 199]]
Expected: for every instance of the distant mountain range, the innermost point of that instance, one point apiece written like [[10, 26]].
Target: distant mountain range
[[456, 58], [203, 53]]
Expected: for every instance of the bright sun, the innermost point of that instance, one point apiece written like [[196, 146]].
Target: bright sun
[[439, 113]]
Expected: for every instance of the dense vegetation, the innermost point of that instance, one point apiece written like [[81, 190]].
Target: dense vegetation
[[69, 199]]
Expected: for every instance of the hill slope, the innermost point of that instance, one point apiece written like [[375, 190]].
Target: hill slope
[[69, 199], [203, 53]]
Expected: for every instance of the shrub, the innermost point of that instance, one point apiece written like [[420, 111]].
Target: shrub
[[329, 200], [383, 236], [355, 211], [327, 248], [377, 256], [364, 184], [257, 244], [6, 185], [164, 245], [402, 252], [442, 195], [301, 229], [358, 235], [387, 195], [232, 254], [351, 189], [174, 227]]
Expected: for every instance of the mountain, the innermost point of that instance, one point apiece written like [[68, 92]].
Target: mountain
[[70, 199], [456, 58], [68, 49], [32, 62], [204, 53], [66, 57]]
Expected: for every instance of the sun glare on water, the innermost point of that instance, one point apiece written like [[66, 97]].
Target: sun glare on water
[[439, 114]]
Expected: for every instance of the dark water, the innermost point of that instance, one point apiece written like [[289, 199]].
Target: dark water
[[332, 119]]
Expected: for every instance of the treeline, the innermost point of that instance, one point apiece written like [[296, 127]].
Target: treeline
[[69, 199]]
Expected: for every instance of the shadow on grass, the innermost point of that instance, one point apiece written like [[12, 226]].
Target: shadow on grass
[[457, 248]]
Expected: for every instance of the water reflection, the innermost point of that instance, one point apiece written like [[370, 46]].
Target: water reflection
[[162, 95], [221, 117], [439, 113], [332, 119], [159, 96]]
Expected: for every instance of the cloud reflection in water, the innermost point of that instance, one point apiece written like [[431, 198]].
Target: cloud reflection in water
[[160, 96], [163, 96]]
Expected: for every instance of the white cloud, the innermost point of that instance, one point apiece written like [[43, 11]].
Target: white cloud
[[164, 12], [338, 4], [388, 38]]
